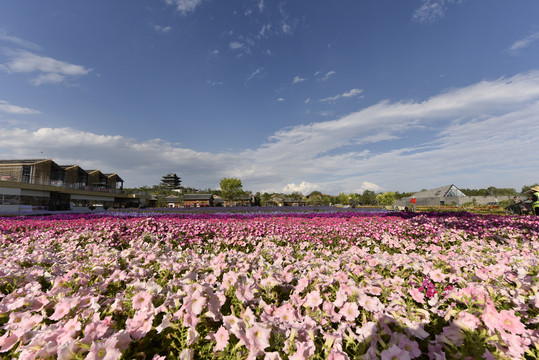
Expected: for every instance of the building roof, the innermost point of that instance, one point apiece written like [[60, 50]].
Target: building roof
[[119, 179], [194, 197], [444, 191], [22, 162]]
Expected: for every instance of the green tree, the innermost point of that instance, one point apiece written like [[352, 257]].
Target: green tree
[[343, 199], [387, 198], [231, 188], [527, 188], [368, 198]]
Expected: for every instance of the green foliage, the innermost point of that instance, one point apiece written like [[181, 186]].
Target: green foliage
[[490, 191], [387, 198], [231, 188]]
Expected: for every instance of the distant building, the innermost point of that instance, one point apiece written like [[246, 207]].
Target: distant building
[[198, 200], [171, 181], [448, 195], [42, 184]]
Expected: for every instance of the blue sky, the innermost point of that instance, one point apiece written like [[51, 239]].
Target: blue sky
[[295, 95]]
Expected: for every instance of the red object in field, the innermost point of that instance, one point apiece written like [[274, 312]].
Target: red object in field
[[412, 200]]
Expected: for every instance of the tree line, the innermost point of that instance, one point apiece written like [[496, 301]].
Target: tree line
[[232, 188]]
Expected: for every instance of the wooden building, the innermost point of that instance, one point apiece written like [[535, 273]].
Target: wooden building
[[198, 200], [75, 177], [34, 171], [41, 184], [114, 181]]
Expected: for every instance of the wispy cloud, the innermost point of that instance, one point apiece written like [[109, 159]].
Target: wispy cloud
[[347, 94], [14, 109], [162, 29], [236, 45], [280, 99], [432, 10], [297, 79], [524, 43], [461, 147], [324, 77], [49, 70], [4, 36], [257, 73], [184, 6]]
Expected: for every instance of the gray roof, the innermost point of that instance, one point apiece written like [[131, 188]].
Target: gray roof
[[192, 197], [26, 161], [444, 191]]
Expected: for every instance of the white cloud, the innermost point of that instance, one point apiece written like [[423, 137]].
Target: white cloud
[[324, 77], [304, 187], [162, 29], [184, 6], [524, 43], [432, 10], [348, 94], [13, 109], [236, 45], [50, 70], [258, 72], [280, 99], [479, 135], [297, 79], [18, 41]]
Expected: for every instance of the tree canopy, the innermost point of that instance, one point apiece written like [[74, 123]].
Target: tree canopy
[[231, 188]]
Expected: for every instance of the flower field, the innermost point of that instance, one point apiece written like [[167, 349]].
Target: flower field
[[342, 285]]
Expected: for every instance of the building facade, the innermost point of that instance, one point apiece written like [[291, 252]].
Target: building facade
[[42, 184]]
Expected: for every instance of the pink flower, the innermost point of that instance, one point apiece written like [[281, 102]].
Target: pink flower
[[509, 322], [411, 346], [395, 353], [60, 310], [221, 337], [7, 341], [490, 317], [258, 337], [437, 275], [104, 350], [197, 302], [313, 299], [286, 313], [417, 295], [349, 311], [142, 300], [139, 325], [465, 320], [370, 303]]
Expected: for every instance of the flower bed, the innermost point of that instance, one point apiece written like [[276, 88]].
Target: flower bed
[[270, 286]]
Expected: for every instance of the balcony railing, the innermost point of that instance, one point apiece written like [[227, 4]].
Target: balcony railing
[[59, 183]]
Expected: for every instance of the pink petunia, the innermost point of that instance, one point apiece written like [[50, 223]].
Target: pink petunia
[[313, 299], [349, 311], [411, 346], [221, 337], [258, 337], [139, 325], [510, 322], [395, 353], [7, 341], [370, 303], [104, 350], [465, 320], [417, 295], [141, 300]]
